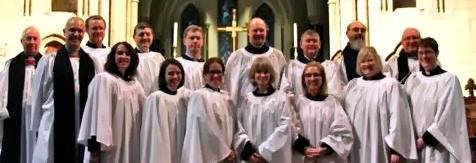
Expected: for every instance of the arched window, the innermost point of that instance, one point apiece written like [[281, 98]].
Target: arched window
[[266, 13], [189, 16]]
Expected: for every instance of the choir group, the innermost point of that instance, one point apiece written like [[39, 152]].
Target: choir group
[[92, 103]]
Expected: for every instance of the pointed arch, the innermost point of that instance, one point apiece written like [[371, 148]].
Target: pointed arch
[[190, 15], [266, 13]]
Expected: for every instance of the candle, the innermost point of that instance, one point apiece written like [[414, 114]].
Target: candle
[[295, 35], [175, 34]]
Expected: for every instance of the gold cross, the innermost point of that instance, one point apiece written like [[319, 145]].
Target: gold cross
[[233, 29]]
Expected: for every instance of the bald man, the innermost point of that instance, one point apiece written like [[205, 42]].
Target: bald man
[[15, 100], [400, 66], [346, 60], [60, 89], [239, 63]]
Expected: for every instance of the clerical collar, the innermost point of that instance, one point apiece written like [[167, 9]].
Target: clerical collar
[[436, 71], [190, 58], [91, 45], [210, 87], [375, 77], [408, 55], [166, 89], [137, 50], [304, 59], [316, 98], [254, 50], [270, 91]]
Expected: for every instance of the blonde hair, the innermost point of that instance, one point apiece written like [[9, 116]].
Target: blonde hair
[[261, 64], [322, 72], [366, 52]]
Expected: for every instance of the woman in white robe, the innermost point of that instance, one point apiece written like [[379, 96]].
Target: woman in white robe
[[438, 110], [378, 110], [164, 117], [112, 116], [266, 117], [325, 130], [211, 123]]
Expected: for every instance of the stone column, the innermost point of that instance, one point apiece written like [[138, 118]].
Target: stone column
[[363, 16], [334, 27]]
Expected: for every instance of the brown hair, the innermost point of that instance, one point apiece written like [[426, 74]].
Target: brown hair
[[142, 25], [191, 28], [429, 43], [95, 17], [322, 72], [261, 64], [209, 62]]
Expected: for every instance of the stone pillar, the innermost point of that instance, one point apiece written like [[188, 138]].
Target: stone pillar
[[103, 10], [334, 27], [363, 16], [118, 23]]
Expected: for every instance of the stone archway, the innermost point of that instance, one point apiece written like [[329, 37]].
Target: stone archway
[[51, 43]]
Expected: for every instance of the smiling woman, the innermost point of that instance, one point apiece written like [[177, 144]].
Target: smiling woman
[[112, 113]]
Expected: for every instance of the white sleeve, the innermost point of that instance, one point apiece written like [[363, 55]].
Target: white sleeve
[[4, 92]]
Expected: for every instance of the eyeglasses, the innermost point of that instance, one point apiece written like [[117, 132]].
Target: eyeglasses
[[215, 72], [307, 75]]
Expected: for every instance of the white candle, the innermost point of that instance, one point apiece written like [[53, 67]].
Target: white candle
[[175, 34], [295, 36]]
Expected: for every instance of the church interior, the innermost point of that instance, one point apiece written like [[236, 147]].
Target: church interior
[[451, 22]]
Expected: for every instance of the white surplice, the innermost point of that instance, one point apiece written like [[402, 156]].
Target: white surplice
[[238, 67], [193, 73], [164, 119], [113, 114], [438, 108], [28, 137], [99, 55], [43, 106], [380, 115], [267, 123], [148, 71], [291, 81], [325, 122], [211, 127]]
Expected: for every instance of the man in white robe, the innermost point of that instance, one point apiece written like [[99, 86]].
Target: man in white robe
[[400, 66], [310, 44], [60, 86], [95, 27], [345, 60], [191, 60], [438, 110], [239, 63], [149, 61], [15, 100]]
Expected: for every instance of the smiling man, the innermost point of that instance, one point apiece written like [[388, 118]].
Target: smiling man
[[95, 28], [400, 66], [239, 63], [310, 44], [346, 60], [15, 100], [60, 89], [149, 61]]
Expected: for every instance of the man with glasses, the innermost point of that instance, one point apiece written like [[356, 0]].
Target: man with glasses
[[346, 60], [400, 66]]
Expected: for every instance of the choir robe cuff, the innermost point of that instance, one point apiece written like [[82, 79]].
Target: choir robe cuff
[[93, 145], [4, 114], [429, 139], [300, 144], [329, 150], [248, 151]]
